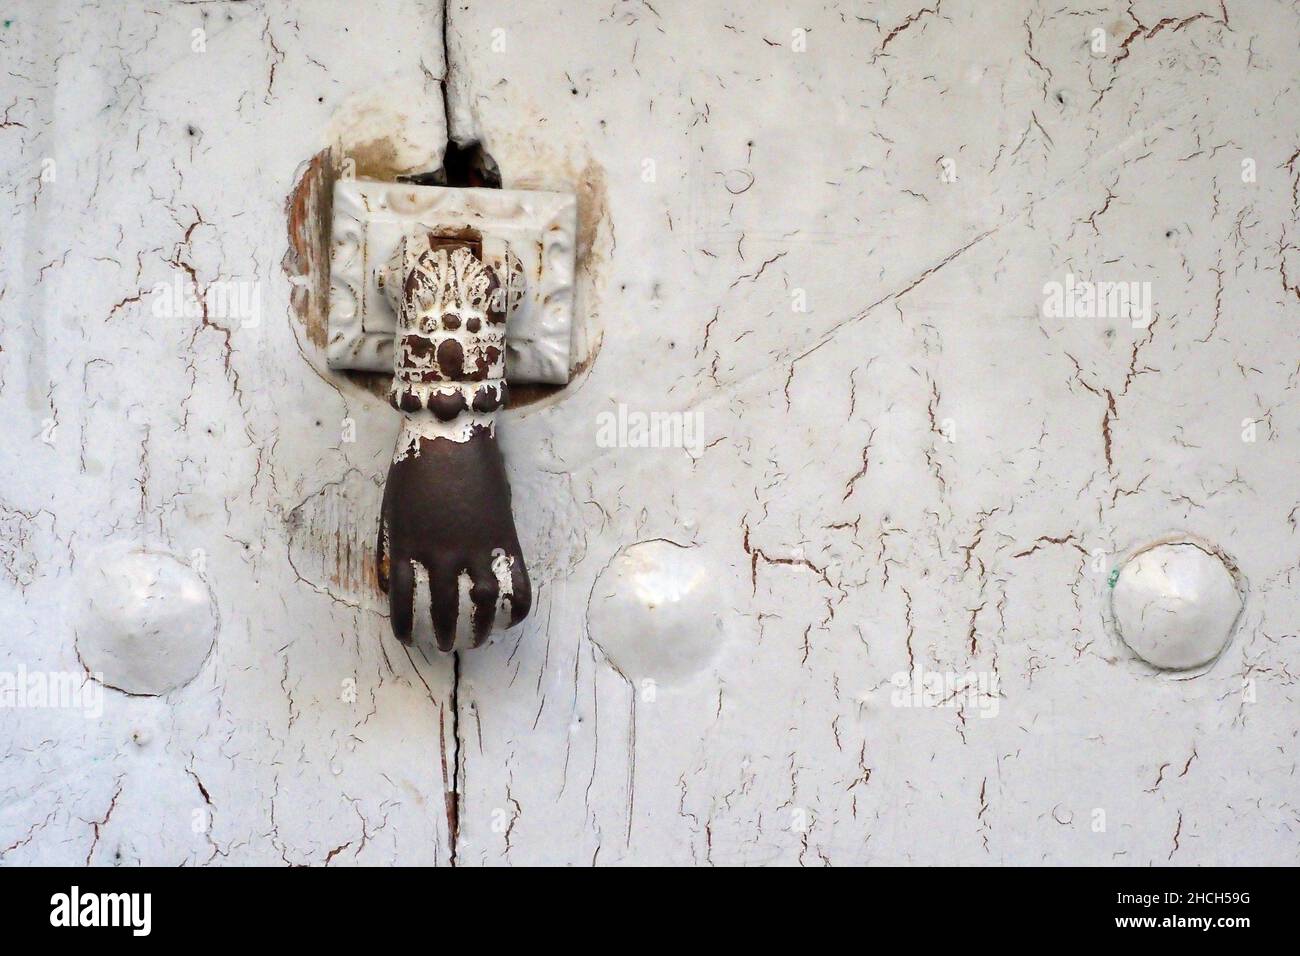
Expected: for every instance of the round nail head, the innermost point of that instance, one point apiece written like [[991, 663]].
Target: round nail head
[[145, 621], [1175, 604], [654, 612]]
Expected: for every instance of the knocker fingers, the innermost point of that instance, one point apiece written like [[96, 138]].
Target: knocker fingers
[[459, 600], [467, 597], [401, 598], [483, 593], [521, 591]]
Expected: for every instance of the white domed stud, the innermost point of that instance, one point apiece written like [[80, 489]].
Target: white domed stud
[[1175, 603], [656, 613], [145, 620]]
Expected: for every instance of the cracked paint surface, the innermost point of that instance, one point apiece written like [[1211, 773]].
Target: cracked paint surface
[[917, 473]]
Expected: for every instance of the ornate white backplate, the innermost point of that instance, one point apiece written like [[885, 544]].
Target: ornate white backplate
[[536, 229]]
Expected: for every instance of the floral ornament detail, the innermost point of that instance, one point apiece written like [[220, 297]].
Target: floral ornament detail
[[450, 342]]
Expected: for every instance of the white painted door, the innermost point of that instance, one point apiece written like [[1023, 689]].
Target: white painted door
[[832, 536]]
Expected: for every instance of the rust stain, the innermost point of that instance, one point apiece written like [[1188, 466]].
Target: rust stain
[[309, 209], [376, 159], [593, 210], [331, 544], [306, 262]]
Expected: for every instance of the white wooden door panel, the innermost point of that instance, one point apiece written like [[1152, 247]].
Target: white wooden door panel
[[820, 243]]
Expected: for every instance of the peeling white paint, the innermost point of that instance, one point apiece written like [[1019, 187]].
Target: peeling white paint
[[502, 568], [422, 426]]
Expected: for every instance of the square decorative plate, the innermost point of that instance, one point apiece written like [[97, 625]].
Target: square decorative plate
[[538, 228]]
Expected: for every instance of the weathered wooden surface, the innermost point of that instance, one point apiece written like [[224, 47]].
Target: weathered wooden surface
[[824, 231]]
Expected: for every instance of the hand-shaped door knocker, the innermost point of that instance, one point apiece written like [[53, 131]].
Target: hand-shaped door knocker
[[445, 527]]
